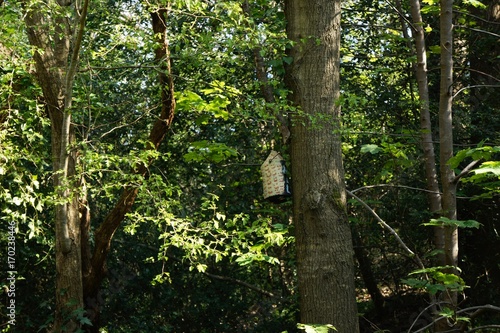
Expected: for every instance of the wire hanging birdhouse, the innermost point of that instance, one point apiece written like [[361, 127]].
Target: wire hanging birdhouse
[[275, 181]]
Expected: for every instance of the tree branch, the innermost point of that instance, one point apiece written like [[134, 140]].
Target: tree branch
[[479, 30], [466, 170], [105, 232], [241, 283], [66, 123], [391, 230], [477, 86], [265, 88], [394, 185], [487, 327], [480, 307]]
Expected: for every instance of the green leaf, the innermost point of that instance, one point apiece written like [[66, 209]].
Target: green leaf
[[436, 49], [288, 60], [430, 9], [447, 278], [478, 153], [444, 221], [447, 312], [209, 151], [415, 283], [316, 328], [432, 269], [475, 3], [371, 148], [490, 166]]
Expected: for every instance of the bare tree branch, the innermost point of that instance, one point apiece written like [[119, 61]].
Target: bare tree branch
[[477, 86], [241, 283], [394, 185], [485, 327], [390, 229], [466, 170], [481, 308]]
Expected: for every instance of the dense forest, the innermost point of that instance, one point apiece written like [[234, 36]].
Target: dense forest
[[134, 135]]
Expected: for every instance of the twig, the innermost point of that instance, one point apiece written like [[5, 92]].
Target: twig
[[394, 185], [479, 30], [477, 86], [403, 186], [476, 17], [390, 229], [480, 307], [242, 283], [487, 327], [102, 68], [420, 314]]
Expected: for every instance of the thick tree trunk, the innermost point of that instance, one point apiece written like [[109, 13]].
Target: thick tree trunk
[[72, 218], [55, 76], [323, 237]]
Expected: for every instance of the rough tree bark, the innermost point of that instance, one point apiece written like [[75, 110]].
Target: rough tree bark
[[55, 74], [323, 237], [79, 271]]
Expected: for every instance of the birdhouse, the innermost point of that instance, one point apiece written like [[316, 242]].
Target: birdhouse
[[275, 181]]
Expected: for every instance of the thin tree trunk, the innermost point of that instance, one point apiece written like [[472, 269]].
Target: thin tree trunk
[[323, 238], [367, 274], [431, 174], [446, 131], [449, 205]]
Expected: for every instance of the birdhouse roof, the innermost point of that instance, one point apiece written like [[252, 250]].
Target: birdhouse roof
[[274, 156]]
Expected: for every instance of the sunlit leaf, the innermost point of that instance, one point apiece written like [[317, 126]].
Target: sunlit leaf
[[371, 148]]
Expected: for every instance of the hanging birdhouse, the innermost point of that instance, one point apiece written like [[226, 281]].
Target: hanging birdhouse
[[274, 178]]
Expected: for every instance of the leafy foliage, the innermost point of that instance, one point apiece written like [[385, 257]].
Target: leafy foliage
[[446, 222], [199, 227]]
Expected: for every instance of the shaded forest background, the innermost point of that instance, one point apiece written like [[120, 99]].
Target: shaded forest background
[[201, 250]]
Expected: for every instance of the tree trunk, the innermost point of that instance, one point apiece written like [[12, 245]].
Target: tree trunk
[[95, 264], [323, 237], [431, 174], [55, 76], [76, 270], [367, 274], [448, 180], [483, 54], [265, 88]]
